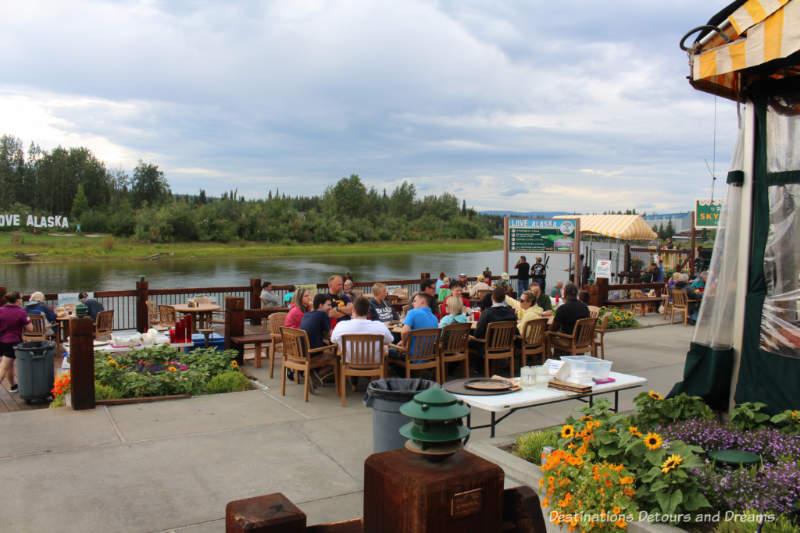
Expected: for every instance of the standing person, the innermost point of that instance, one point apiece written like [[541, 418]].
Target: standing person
[[379, 308], [361, 324], [341, 305], [13, 319], [92, 306], [523, 269], [539, 273], [570, 311], [301, 304], [268, 297], [660, 278], [316, 322]]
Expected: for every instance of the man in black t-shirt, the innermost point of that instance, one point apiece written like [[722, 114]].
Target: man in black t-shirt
[[523, 269], [570, 311], [316, 323], [341, 304], [538, 273]]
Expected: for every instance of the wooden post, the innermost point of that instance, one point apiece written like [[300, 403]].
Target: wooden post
[[234, 324], [425, 275], [578, 262], [2, 293], [273, 513], [142, 294], [255, 297], [505, 244], [598, 293], [81, 360], [692, 251]]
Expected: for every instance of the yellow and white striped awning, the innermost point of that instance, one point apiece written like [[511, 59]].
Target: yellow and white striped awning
[[765, 30], [625, 227]]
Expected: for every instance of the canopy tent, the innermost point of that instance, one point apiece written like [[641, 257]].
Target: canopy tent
[[623, 227], [746, 345]]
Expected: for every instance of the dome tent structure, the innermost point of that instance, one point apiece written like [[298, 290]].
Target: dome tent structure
[[746, 345]]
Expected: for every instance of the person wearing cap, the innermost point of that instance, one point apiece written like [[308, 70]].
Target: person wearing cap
[[462, 278], [523, 269], [36, 306], [481, 285], [92, 306]]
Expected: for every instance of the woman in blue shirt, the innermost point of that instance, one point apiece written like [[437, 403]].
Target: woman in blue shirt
[[455, 312]]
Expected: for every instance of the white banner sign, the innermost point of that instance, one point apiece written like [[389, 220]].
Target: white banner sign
[[33, 221], [603, 269]]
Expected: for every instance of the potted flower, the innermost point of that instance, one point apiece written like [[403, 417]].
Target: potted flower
[[62, 386]]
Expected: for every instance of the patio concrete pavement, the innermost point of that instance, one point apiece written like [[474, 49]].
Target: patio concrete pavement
[[172, 466]]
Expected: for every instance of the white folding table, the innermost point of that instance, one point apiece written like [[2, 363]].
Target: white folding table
[[501, 406]]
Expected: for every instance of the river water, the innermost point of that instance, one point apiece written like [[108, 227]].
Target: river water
[[221, 272]]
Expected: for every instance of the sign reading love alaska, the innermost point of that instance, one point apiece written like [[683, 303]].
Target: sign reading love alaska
[[33, 221]]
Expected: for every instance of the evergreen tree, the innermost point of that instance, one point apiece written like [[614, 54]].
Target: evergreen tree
[[80, 204], [670, 229]]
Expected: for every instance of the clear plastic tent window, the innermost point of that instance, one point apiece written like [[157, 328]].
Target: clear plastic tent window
[[780, 316]]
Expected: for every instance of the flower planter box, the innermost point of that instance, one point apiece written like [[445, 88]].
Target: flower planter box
[[530, 474]]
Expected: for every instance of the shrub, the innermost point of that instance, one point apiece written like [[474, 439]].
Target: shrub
[[618, 318], [105, 392], [748, 415], [788, 421], [529, 446], [230, 381], [653, 410]]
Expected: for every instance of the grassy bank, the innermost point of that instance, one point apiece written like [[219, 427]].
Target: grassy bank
[[78, 247]]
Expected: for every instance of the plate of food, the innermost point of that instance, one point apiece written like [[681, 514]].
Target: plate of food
[[488, 384]]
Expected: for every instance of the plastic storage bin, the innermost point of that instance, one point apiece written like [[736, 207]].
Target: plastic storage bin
[[597, 368], [215, 340]]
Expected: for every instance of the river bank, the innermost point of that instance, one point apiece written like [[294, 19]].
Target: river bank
[[48, 248]]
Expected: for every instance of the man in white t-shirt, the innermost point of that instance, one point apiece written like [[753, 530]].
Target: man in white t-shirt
[[360, 324]]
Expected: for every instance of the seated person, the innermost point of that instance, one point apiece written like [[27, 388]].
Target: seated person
[[693, 296], [36, 306], [570, 311], [348, 290], [379, 308], [457, 290], [419, 316], [93, 306], [526, 308], [455, 312], [558, 290], [268, 297], [287, 298], [427, 286], [359, 324], [499, 311], [316, 322], [481, 285], [699, 284], [542, 300], [301, 304], [440, 281], [444, 291]]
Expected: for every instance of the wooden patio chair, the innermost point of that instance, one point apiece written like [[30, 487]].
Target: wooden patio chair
[[167, 316], [104, 324], [594, 311], [454, 347], [534, 341], [205, 300], [680, 303], [360, 355], [425, 352], [40, 332], [579, 342], [275, 322], [597, 343], [667, 302], [498, 343], [298, 356], [153, 317], [203, 324]]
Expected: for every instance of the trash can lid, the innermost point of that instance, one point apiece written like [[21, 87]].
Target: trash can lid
[[398, 389]]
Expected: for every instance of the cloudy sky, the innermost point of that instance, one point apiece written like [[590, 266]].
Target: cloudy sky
[[520, 105]]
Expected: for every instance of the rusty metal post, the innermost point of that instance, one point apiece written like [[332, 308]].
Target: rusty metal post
[[81, 360], [255, 297], [142, 295], [234, 324]]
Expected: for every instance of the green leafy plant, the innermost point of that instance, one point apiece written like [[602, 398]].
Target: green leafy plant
[[231, 381], [529, 446], [654, 410], [748, 415], [788, 421], [105, 392], [752, 522]]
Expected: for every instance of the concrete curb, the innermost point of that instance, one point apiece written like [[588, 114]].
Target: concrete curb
[[530, 474]]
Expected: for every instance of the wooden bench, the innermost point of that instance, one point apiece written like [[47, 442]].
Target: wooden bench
[[256, 339]]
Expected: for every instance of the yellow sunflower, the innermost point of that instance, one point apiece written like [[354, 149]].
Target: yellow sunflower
[[796, 415], [173, 369], [653, 441], [654, 395], [634, 431], [567, 432], [234, 364], [587, 418], [671, 463]]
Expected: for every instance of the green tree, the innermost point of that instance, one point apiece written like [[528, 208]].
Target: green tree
[[669, 231], [12, 171], [149, 184], [80, 204]]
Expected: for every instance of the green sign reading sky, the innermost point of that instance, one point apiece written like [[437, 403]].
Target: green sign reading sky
[[707, 213], [541, 235]]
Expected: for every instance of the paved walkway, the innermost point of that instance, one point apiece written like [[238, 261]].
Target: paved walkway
[[172, 466]]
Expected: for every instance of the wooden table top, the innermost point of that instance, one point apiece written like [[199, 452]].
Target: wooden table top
[[199, 308]]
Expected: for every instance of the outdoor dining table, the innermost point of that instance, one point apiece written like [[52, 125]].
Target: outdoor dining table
[[199, 309], [506, 404]]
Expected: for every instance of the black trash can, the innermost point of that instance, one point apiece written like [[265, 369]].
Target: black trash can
[[385, 396], [35, 369]]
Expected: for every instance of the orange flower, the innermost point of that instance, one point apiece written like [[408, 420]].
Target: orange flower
[[546, 502], [634, 431], [621, 523], [234, 364], [616, 510], [173, 369], [627, 480]]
